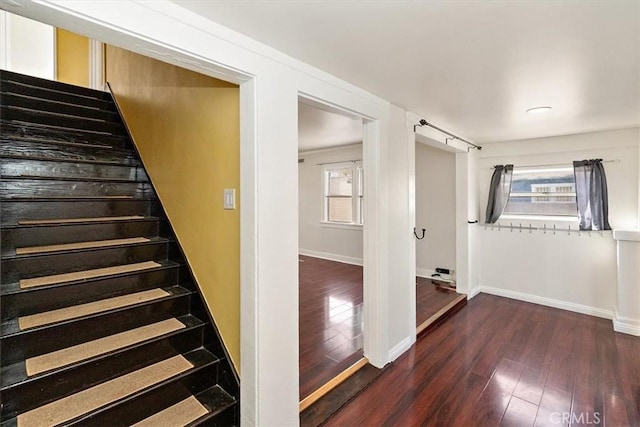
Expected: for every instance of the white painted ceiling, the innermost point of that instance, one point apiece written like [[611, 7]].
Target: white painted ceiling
[[471, 66], [323, 129]]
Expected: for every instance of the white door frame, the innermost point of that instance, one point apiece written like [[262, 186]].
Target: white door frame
[[466, 209]]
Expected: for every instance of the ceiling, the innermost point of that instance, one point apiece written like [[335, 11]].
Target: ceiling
[[471, 66], [323, 129]]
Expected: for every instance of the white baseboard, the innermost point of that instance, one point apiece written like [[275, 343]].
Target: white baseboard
[[626, 325], [331, 257], [473, 292], [549, 302], [424, 272], [399, 349]]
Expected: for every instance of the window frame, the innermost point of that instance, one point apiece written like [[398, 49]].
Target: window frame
[[357, 194]]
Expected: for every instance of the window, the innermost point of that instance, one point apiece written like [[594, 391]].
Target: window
[[545, 192], [343, 193]]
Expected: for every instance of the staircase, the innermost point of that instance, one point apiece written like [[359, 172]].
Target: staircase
[[102, 323]]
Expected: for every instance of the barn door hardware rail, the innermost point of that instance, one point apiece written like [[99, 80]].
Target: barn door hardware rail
[[453, 137]]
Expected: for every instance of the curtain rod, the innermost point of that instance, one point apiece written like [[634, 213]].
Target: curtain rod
[[337, 163], [423, 122], [567, 164]]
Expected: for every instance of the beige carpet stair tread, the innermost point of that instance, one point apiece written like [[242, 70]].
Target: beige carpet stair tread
[[47, 317], [73, 406], [72, 220], [80, 245], [69, 355], [86, 274], [178, 415]]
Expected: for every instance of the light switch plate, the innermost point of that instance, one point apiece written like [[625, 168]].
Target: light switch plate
[[230, 198]]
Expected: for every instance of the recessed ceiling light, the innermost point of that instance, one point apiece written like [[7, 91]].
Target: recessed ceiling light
[[537, 110]]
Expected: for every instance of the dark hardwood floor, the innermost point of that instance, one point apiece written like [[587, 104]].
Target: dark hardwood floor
[[505, 362], [330, 320], [430, 299]]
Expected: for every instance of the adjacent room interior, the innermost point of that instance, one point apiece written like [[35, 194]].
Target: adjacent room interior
[[331, 221]]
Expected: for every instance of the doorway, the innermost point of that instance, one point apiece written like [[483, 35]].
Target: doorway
[[435, 204], [331, 222]]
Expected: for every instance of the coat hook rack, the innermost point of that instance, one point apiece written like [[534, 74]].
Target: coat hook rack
[[416, 234]]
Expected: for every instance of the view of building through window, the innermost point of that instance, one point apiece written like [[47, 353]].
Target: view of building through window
[[542, 192]]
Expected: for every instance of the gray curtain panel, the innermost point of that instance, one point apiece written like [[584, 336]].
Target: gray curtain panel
[[499, 192], [591, 195]]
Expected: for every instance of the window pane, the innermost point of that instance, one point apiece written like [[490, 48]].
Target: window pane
[[542, 192], [339, 209], [340, 182]]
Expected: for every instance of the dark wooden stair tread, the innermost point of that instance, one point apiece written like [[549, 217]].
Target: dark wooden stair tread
[[86, 274], [56, 221], [80, 245], [16, 373], [80, 405], [13, 288], [193, 410], [94, 309]]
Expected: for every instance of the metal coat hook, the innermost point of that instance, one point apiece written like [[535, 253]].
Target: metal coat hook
[[416, 234], [544, 228], [510, 227], [520, 227], [530, 228], [569, 233], [554, 229]]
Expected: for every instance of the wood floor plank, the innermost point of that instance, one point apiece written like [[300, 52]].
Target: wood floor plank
[[73, 406], [67, 356], [48, 317], [496, 361]]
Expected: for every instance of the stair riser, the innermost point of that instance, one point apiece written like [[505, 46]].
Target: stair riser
[[53, 298], [59, 121], [11, 211], [66, 152], [154, 400], [27, 396], [45, 265], [38, 92], [52, 235], [8, 76], [38, 341], [50, 188], [55, 169], [47, 105], [228, 417], [16, 131]]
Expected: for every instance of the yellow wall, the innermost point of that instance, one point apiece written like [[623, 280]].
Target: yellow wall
[[72, 58], [187, 129]]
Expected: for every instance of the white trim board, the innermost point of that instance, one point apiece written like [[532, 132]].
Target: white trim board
[[399, 349], [331, 257], [425, 273], [549, 302], [625, 325]]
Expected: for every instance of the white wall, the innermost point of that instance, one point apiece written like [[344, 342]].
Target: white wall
[[435, 209], [572, 271], [330, 241], [270, 86], [27, 46]]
